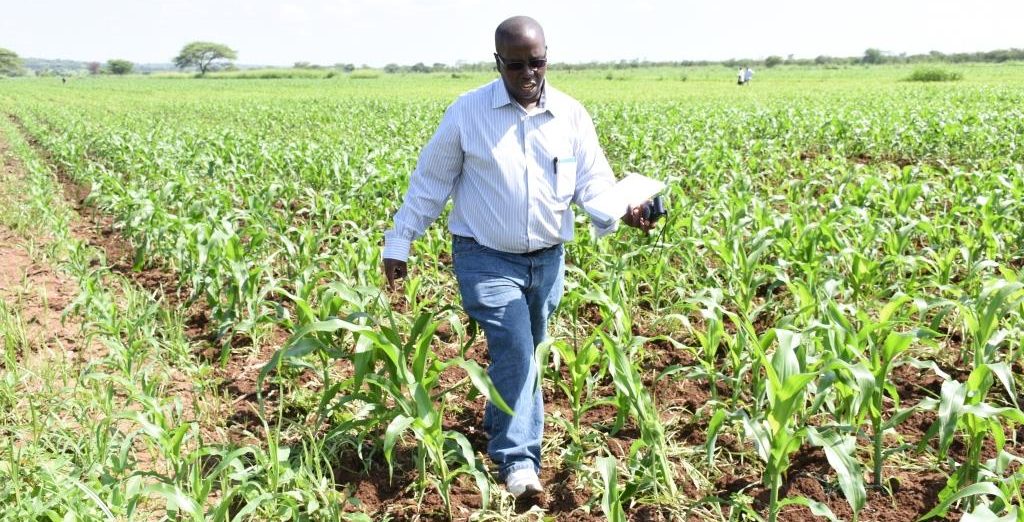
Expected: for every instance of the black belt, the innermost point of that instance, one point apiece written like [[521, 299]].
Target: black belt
[[527, 254]]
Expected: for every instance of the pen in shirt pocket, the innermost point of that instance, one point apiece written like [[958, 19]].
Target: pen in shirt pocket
[[569, 161]]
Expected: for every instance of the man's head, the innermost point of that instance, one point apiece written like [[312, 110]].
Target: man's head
[[521, 57]]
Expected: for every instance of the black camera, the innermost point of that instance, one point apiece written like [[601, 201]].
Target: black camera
[[654, 210]]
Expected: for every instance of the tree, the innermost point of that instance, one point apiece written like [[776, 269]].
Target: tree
[[119, 66], [10, 62], [772, 61], [203, 55], [873, 56], [94, 67]]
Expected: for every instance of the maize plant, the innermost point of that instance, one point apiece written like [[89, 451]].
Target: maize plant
[[399, 384], [651, 450], [964, 410], [582, 366], [779, 429]]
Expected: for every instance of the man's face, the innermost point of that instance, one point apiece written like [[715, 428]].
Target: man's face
[[522, 63]]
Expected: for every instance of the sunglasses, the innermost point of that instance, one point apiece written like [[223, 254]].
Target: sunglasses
[[534, 63]]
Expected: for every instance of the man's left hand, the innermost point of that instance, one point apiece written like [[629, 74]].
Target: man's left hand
[[635, 218]]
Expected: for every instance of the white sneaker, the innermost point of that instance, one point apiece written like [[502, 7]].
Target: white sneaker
[[522, 482]]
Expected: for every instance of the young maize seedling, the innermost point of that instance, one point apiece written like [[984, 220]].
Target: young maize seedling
[[579, 387], [635, 398], [878, 348], [776, 430], [962, 408], [401, 382], [982, 318], [611, 498]]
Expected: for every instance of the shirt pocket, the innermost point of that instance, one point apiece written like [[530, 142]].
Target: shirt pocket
[[565, 176]]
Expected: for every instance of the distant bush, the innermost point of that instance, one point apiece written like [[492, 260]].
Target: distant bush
[[364, 74], [119, 66], [933, 74], [266, 74], [261, 75], [681, 77], [873, 56]]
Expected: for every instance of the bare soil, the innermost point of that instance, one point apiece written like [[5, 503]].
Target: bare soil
[[36, 291], [40, 294]]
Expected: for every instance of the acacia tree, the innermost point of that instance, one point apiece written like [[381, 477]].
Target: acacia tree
[[873, 56], [119, 66], [203, 55], [10, 63]]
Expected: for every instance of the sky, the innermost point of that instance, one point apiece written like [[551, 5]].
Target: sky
[[378, 32]]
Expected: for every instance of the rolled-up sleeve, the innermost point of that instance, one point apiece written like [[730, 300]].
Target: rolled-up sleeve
[[595, 174], [430, 186]]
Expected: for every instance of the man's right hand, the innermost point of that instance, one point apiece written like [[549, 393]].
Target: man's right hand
[[634, 217], [394, 270]]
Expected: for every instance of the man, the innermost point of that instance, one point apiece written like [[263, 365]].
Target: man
[[512, 154]]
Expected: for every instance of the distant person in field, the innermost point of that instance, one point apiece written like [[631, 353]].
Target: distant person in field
[[740, 77], [748, 75], [513, 155]]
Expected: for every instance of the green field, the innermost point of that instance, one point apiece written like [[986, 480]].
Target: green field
[[828, 321]]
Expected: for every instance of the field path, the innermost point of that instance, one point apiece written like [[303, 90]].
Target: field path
[[34, 289], [39, 294]]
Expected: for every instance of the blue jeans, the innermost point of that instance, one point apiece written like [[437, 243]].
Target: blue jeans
[[511, 297]]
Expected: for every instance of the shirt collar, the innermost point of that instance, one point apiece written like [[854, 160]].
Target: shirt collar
[[500, 97]]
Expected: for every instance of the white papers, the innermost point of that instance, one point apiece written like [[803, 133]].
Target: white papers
[[630, 191]]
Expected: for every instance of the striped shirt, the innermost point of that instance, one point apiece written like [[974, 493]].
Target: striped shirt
[[511, 173]]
